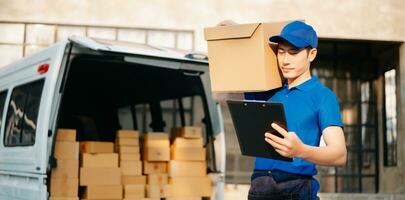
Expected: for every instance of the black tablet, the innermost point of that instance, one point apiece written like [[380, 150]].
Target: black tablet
[[251, 120]]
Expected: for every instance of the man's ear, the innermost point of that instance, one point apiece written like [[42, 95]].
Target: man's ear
[[312, 54]]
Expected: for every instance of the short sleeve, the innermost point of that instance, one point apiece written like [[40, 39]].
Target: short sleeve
[[329, 112]]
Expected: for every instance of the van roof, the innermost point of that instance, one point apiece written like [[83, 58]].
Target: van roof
[[116, 47], [138, 49]]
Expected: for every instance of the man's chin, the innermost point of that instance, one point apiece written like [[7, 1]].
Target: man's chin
[[289, 76]]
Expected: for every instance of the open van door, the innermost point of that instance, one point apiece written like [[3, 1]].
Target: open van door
[[29, 85]]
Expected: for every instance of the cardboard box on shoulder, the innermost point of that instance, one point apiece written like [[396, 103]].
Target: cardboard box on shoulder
[[242, 52]]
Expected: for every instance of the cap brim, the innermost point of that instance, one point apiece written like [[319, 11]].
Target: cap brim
[[296, 42]]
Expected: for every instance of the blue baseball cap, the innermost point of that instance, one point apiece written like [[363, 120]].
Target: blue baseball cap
[[298, 34]]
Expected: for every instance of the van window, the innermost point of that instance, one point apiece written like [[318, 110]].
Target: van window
[[22, 114], [3, 96]]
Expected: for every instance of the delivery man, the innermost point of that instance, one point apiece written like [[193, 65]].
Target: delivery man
[[312, 111]]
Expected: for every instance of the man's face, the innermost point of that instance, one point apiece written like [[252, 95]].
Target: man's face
[[292, 61]]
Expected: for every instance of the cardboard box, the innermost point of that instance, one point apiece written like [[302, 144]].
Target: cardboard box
[[103, 192], [184, 198], [242, 54], [66, 168], [156, 136], [96, 147], [127, 141], [127, 149], [157, 179], [153, 191], [66, 135], [133, 180], [127, 134], [62, 187], [130, 156], [66, 150], [99, 160], [63, 198], [188, 154], [154, 167], [180, 142], [191, 186], [187, 168], [134, 191], [100, 176], [156, 153], [187, 132], [133, 168]]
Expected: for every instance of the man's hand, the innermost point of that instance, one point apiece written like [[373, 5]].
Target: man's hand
[[333, 154], [290, 146]]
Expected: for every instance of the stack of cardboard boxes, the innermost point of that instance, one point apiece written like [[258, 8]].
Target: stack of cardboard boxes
[[187, 168], [156, 154], [174, 171], [100, 175], [65, 177], [127, 145]]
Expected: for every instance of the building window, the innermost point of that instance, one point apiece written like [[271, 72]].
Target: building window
[[390, 132], [22, 114]]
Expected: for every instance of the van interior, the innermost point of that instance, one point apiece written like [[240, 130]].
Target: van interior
[[103, 94]]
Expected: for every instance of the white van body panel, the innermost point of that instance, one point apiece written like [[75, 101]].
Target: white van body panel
[[23, 168]]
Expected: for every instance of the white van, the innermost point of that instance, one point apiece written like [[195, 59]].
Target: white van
[[97, 87]]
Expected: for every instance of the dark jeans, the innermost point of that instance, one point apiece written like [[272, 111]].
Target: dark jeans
[[277, 185]]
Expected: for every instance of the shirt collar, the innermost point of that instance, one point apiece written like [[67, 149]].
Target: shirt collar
[[306, 85]]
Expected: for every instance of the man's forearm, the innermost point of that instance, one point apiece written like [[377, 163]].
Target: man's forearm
[[327, 155]]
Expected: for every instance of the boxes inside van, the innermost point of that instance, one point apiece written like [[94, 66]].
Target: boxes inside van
[[96, 88]]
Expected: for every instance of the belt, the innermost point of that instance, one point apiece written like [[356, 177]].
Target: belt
[[279, 176]]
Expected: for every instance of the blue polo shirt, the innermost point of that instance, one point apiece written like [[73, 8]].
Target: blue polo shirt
[[310, 108]]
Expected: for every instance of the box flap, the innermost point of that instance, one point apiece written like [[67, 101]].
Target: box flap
[[230, 32]]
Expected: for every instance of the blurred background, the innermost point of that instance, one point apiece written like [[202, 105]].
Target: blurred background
[[361, 58]]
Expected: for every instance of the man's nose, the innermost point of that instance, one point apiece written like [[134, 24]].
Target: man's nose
[[286, 59]]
